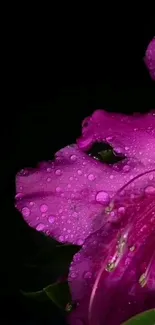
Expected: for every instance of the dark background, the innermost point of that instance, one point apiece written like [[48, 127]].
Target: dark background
[[53, 81]]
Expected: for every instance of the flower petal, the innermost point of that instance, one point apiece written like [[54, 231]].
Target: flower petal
[[131, 136], [150, 58], [65, 199], [113, 275]]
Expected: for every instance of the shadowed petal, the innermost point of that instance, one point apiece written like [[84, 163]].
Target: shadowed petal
[[132, 136], [113, 275], [150, 58]]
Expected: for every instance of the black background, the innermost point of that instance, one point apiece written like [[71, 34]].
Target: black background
[[55, 78]]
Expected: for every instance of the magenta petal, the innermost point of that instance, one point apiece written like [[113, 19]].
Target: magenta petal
[[66, 199], [150, 58], [132, 136], [113, 276]]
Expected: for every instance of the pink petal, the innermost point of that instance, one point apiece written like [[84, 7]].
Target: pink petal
[[113, 276], [132, 136], [150, 58], [66, 199]]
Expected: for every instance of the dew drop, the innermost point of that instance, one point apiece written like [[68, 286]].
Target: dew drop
[[88, 275], [61, 238], [31, 203], [132, 248], [58, 189], [103, 197], [26, 212], [151, 177], [49, 170], [80, 242], [51, 219], [48, 179], [91, 177], [75, 214], [121, 210], [79, 172], [126, 168], [40, 227], [58, 172], [19, 195], [73, 157], [150, 190], [43, 208], [73, 275]]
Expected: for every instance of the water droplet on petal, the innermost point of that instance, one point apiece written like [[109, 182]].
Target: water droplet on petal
[[126, 168], [49, 170], [80, 242], [58, 189], [31, 203], [19, 195], [43, 208], [58, 172], [103, 197], [40, 227], [121, 210], [26, 212], [151, 177], [79, 172], [48, 179], [51, 219], [61, 238], [91, 177], [132, 248], [73, 157], [88, 275], [150, 190], [73, 275]]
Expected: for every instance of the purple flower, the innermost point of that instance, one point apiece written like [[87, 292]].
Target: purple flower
[[150, 58], [109, 209], [66, 198], [113, 276]]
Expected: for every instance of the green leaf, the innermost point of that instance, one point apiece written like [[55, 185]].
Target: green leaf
[[49, 266], [146, 318], [109, 157], [58, 293]]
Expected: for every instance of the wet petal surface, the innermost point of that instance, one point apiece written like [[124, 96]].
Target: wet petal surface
[[150, 58], [65, 199], [113, 276], [131, 136]]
